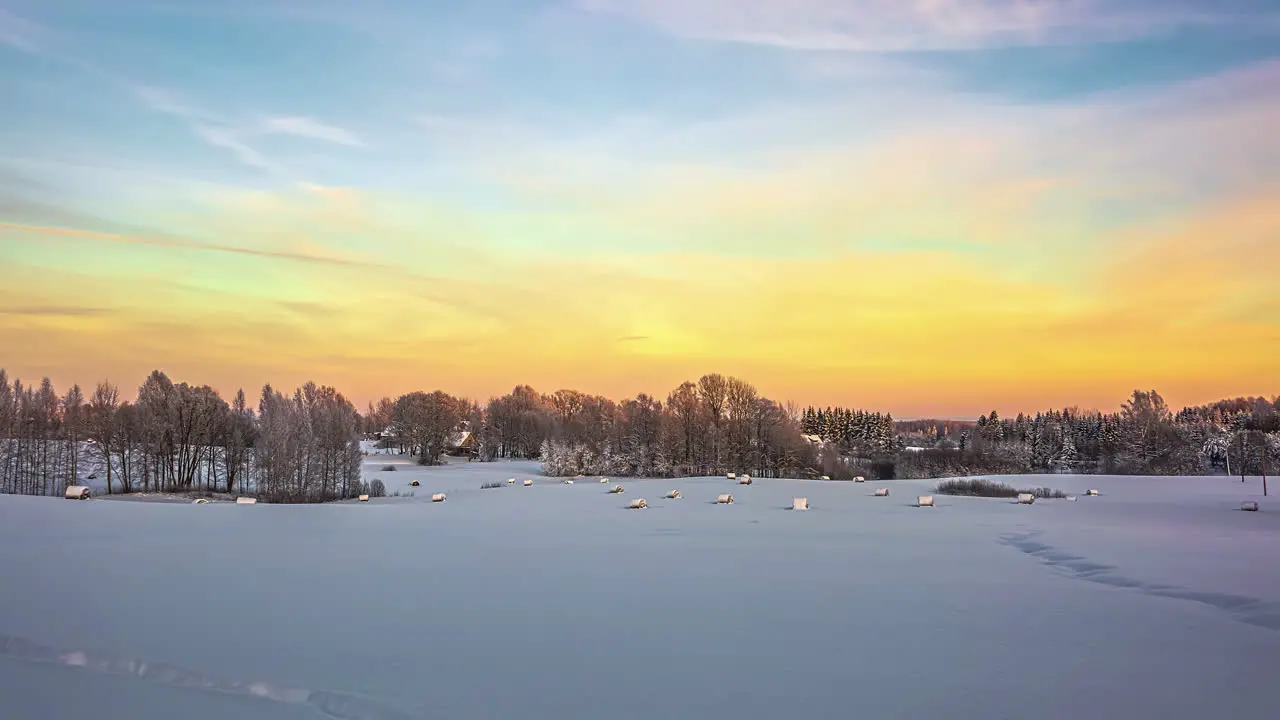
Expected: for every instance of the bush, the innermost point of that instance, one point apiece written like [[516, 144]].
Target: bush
[[1047, 493], [992, 489], [377, 489], [490, 486], [388, 468]]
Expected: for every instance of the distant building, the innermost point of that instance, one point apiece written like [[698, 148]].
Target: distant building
[[463, 443]]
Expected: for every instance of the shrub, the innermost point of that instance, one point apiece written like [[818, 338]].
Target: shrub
[[992, 489], [490, 486], [1047, 493], [377, 489], [976, 488], [388, 468]]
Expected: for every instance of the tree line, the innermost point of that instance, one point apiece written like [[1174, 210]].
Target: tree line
[[305, 446], [717, 424], [1238, 436], [176, 437]]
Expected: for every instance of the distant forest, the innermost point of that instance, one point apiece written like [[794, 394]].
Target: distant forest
[[305, 446]]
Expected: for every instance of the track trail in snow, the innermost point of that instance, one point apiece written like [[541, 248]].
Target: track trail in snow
[[332, 704], [1252, 611]]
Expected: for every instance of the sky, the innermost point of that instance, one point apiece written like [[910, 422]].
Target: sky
[[930, 207]]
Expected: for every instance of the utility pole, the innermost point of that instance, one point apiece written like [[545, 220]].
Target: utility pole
[[1263, 454], [1228, 454], [1242, 462]]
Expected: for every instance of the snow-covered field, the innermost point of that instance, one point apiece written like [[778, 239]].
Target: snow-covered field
[[1158, 599]]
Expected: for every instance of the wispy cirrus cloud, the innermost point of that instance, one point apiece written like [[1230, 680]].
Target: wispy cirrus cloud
[[305, 127], [905, 25], [239, 135]]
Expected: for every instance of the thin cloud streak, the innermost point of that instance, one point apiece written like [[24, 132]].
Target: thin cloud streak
[[52, 311], [305, 127], [189, 245]]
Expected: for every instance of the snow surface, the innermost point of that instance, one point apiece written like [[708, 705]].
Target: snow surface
[[1157, 599]]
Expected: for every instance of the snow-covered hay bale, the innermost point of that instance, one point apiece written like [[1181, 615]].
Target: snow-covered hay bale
[[438, 497], [415, 483], [826, 477], [1026, 498], [604, 480], [77, 492], [364, 498], [744, 480], [1093, 493], [568, 482], [1249, 506], [1071, 498], [615, 489], [724, 500], [246, 501], [859, 479], [528, 483], [882, 492], [732, 476], [637, 504], [674, 495], [511, 481], [200, 501], [924, 501], [800, 503]]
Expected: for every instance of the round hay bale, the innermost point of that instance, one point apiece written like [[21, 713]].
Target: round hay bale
[[438, 497], [859, 479], [1249, 506], [364, 498], [615, 489], [826, 477], [800, 503], [724, 500], [200, 501], [924, 501], [511, 481], [415, 483], [1093, 493], [246, 501], [882, 492], [637, 504], [604, 480], [528, 483], [77, 492], [569, 482], [674, 495], [732, 476], [744, 480], [1026, 498]]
